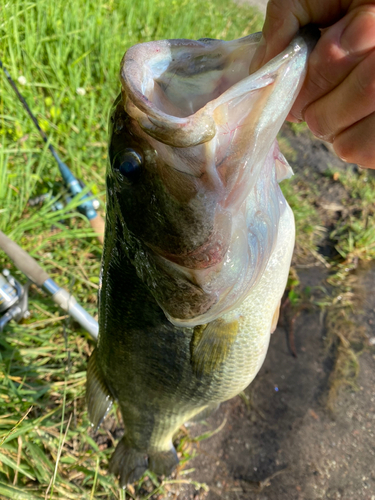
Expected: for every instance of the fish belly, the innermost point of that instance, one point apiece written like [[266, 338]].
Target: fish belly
[[255, 315]]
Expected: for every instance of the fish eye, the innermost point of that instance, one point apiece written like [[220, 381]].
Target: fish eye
[[128, 163]]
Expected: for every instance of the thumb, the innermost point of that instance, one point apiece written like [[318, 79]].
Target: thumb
[[284, 18]]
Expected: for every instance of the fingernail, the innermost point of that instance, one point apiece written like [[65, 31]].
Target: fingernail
[[256, 61], [293, 117], [359, 36]]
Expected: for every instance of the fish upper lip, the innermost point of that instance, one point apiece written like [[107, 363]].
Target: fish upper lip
[[196, 128], [199, 126]]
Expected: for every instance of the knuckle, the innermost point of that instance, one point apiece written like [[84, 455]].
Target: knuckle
[[275, 9], [323, 73], [275, 17], [284, 10], [319, 79]]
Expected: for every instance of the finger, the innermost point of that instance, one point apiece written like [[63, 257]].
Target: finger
[[339, 50], [346, 104], [356, 144], [285, 17], [283, 20]]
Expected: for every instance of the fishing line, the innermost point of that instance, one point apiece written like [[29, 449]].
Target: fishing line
[[86, 207]]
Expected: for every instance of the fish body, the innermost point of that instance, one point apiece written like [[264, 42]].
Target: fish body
[[198, 239]]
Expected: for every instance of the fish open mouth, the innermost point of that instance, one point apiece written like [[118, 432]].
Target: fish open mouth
[[171, 80], [193, 73], [213, 128]]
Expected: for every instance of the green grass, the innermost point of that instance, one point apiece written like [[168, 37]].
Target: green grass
[[47, 449], [309, 224], [354, 235]]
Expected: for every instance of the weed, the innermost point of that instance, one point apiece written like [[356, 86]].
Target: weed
[[65, 56], [298, 128]]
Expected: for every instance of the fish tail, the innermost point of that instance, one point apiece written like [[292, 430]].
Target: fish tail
[[127, 463], [163, 462], [130, 464]]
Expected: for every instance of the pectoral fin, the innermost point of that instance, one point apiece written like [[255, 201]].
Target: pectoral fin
[[211, 345], [98, 398]]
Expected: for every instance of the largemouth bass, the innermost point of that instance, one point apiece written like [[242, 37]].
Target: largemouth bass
[[198, 238]]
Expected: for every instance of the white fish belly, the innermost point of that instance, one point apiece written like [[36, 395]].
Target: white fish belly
[[255, 316]]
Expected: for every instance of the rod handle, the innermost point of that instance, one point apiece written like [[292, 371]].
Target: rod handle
[[23, 261]]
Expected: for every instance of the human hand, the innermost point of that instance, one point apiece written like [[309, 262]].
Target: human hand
[[337, 100]]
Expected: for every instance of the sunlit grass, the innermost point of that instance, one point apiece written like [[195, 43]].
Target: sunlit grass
[[355, 234], [65, 57]]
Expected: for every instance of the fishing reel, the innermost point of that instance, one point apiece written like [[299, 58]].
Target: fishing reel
[[13, 299], [62, 201]]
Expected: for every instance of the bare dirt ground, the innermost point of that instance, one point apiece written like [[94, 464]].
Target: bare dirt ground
[[283, 443]]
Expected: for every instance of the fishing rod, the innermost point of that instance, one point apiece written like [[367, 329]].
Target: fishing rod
[[86, 207], [14, 297]]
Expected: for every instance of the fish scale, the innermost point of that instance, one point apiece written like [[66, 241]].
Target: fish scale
[[198, 240]]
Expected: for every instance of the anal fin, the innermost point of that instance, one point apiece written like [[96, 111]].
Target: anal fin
[[98, 398], [211, 345]]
